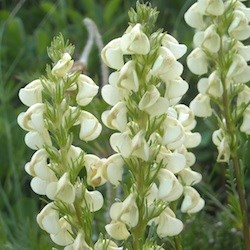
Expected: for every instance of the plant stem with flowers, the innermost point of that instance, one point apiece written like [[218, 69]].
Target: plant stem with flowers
[[154, 132], [219, 52]]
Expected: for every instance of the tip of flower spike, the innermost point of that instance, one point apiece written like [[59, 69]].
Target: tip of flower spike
[[59, 47], [144, 14]]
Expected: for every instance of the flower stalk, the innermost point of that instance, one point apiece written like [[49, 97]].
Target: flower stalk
[[220, 54]]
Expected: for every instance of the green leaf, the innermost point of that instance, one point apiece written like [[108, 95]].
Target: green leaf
[[110, 9], [42, 42]]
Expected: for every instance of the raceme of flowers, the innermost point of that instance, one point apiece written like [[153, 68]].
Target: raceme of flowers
[[221, 58], [54, 107], [153, 133]]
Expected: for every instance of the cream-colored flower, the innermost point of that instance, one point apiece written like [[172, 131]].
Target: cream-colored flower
[[172, 161], [90, 127], [32, 119], [94, 167], [185, 116], [126, 211], [190, 157], [48, 219], [168, 224], [200, 105], [237, 66], [165, 66], [169, 187], [63, 66], [128, 79], [222, 143], [211, 7], [140, 147], [63, 236], [194, 17], [189, 177], [111, 94], [192, 140], [121, 143], [39, 169], [192, 202], [197, 62], [244, 97], [173, 45], [175, 89], [31, 93], [152, 103], [116, 118], [79, 243], [173, 134], [62, 190], [211, 40], [112, 54], [113, 169], [87, 90], [215, 87], [36, 140], [106, 244], [117, 230], [135, 41], [245, 126], [203, 85], [93, 200], [239, 27]]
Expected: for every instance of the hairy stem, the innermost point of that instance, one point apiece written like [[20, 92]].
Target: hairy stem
[[237, 168]]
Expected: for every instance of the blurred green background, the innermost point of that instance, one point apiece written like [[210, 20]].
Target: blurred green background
[[26, 29]]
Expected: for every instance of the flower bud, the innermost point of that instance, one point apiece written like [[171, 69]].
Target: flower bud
[[63, 66]]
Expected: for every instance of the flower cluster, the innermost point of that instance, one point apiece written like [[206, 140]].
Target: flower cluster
[[154, 132], [55, 106], [222, 58]]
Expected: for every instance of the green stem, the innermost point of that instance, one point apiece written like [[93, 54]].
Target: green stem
[[177, 242], [237, 168]]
